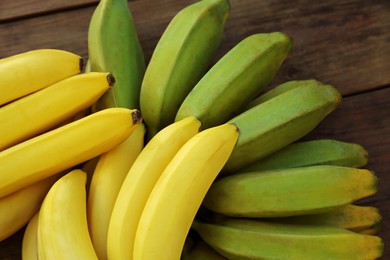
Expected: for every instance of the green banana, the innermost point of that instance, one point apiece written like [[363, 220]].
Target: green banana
[[180, 59], [114, 47], [236, 78], [280, 89], [203, 251], [313, 152], [253, 239], [289, 192], [352, 217], [280, 121]]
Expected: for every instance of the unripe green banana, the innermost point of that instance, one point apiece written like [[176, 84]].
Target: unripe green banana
[[313, 152], [280, 89], [251, 239], [289, 192], [280, 121], [236, 78], [180, 59], [113, 46], [202, 251], [352, 217]]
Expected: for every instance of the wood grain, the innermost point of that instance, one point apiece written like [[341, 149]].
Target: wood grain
[[11, 10]]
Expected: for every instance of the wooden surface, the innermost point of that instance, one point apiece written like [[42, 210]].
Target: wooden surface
[[343, 43]]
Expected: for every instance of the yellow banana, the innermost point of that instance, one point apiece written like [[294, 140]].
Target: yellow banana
[[27, 72], [111, 169], [62, 224], [30, 240], [180, 59], [18, 208], [89, 167], [139, 183], [113, 46], [313, 152], [178, 193], [352, 217], [253, 239], [290, 192], [236, 78], [64, 147], [280, 121], [47, 108]]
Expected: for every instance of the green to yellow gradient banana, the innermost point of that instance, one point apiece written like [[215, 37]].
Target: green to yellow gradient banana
[[180, 59], [289, 192], [352, 217], [236, 78], [280, 121], [113, 46], [313, 152], [252, 239], [280, 89]]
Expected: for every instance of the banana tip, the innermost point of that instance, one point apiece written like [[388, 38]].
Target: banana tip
[[110, 79], [136, 116]]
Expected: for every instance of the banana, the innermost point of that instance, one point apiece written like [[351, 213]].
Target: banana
[[64, 147], [19, 207], [178, 193], [30, 240], [274, 124], [62, 225], [289, 192], [352, 217], [111, 169], [204, 252], [47, 108], [313, 152], [27, 72], [252, 239], [180, 59], [280, 89], [113, 46], [236, 78], [139, 183]]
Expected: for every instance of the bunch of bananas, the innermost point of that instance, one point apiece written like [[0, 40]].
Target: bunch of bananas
[[213, 168]]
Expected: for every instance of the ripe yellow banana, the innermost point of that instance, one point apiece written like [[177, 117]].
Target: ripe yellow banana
[[49, 107], [64, 147], [180, 59], [289, 192], [62, 224], [236, 78], [352, 217], [30, 239], [276, 123], [313, 152], [17, 208], [27, 72], [111, 169], [178, 193], [253, 239], [139, 183], [113, 46]]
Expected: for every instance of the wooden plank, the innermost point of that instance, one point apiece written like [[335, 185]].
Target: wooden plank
[[12, 10], [344, 44]]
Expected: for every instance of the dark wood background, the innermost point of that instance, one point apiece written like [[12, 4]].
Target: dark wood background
[[343, 43]]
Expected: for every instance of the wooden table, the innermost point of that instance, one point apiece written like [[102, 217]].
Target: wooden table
[[343, 43]]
